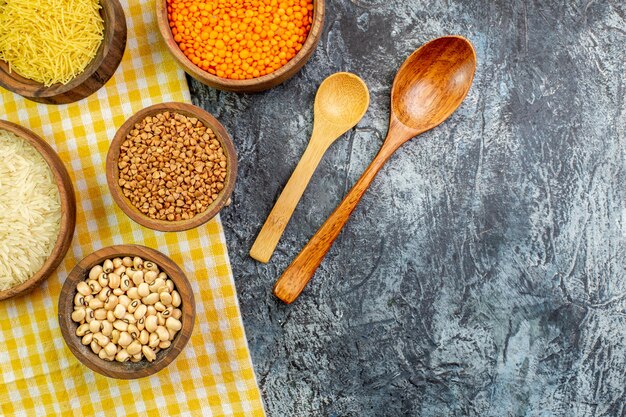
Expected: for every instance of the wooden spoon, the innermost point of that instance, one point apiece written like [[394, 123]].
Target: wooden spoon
[[341, 101], [429, 87]]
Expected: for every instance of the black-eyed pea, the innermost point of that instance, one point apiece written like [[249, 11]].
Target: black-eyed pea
[[152, 323], [88, 298], [124, 300], [158, 283], [133, 331], [162, 275], [157, 350], [153, 340], [159, 306], [95, 286], [96, 303], [111, 302], [115, 336], [118, 291], [86, 340], [125, 283], [78, 315], [95, 272], [132, 307], [83, 288], [165, 345], [138, 277], [110, 349], [144, 337], [107, 266], [166, 298], [160, 319], [167, 312], [150, 276], [110, 316], [151, 299], [82, 330], [127, 261], [120, 325], [141, 323], [114, 280], [122, 356], [143, 289], [117, 262], [134, 348], [140, 311], [103, 280], [136, 358], [177, 313], [163, 334], [174, 324], [103, 355], [89, 315], [151, 311], [120, 310], [129, 318], [125, 339], [176, 301], [104, 294], [79, 299], [119, 270], [150, 266], [101, 339], [137, 262], [100, 314], [148, 353], [107, 328], [170, 285], [95, 347], [172, 333]]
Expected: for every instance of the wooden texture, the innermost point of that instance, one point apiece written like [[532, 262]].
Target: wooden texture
[[341, 101], [429, 87], [96, 74], [125, 370], [112, 170], [244, 86], [68, 209]]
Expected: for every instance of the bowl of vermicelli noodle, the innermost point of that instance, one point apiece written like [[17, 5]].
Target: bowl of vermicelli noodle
[[37, 210], [59, 52]]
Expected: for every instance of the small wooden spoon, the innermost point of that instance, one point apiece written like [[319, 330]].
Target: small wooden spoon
[[341, 101], [429, 87]]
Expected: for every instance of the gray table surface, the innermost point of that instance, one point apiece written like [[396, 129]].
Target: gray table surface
[[484, 273]]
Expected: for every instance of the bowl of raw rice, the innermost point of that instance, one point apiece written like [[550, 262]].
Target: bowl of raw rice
[[37, 210]]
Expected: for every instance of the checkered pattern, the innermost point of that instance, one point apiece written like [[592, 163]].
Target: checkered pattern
[[213, 376]]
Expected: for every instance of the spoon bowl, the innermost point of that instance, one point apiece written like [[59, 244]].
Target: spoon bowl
[[432, 82], [429, 87], [342, 100]]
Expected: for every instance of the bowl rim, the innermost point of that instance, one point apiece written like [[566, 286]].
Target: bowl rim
[[303, 54], [110, 11], [68, 209], [112, 170], [125, 370]]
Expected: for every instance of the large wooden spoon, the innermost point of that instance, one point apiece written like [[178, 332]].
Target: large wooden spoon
[[429, 87], [341, 101]]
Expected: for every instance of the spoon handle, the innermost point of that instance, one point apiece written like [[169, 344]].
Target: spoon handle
[[279, 217], [297, 275]]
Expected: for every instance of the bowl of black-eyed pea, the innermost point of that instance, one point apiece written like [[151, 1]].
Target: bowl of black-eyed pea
[[126, 311]]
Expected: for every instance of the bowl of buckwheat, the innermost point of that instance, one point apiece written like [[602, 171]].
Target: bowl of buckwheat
[[171, 167], [126, 311]]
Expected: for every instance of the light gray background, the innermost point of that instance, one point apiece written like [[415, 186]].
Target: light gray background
[[484, 273]]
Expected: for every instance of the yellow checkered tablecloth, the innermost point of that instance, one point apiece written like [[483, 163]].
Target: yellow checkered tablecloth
[[213, 376]]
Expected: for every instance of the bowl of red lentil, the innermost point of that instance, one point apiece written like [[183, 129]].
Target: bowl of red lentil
[[241, 46], [171, 167]]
